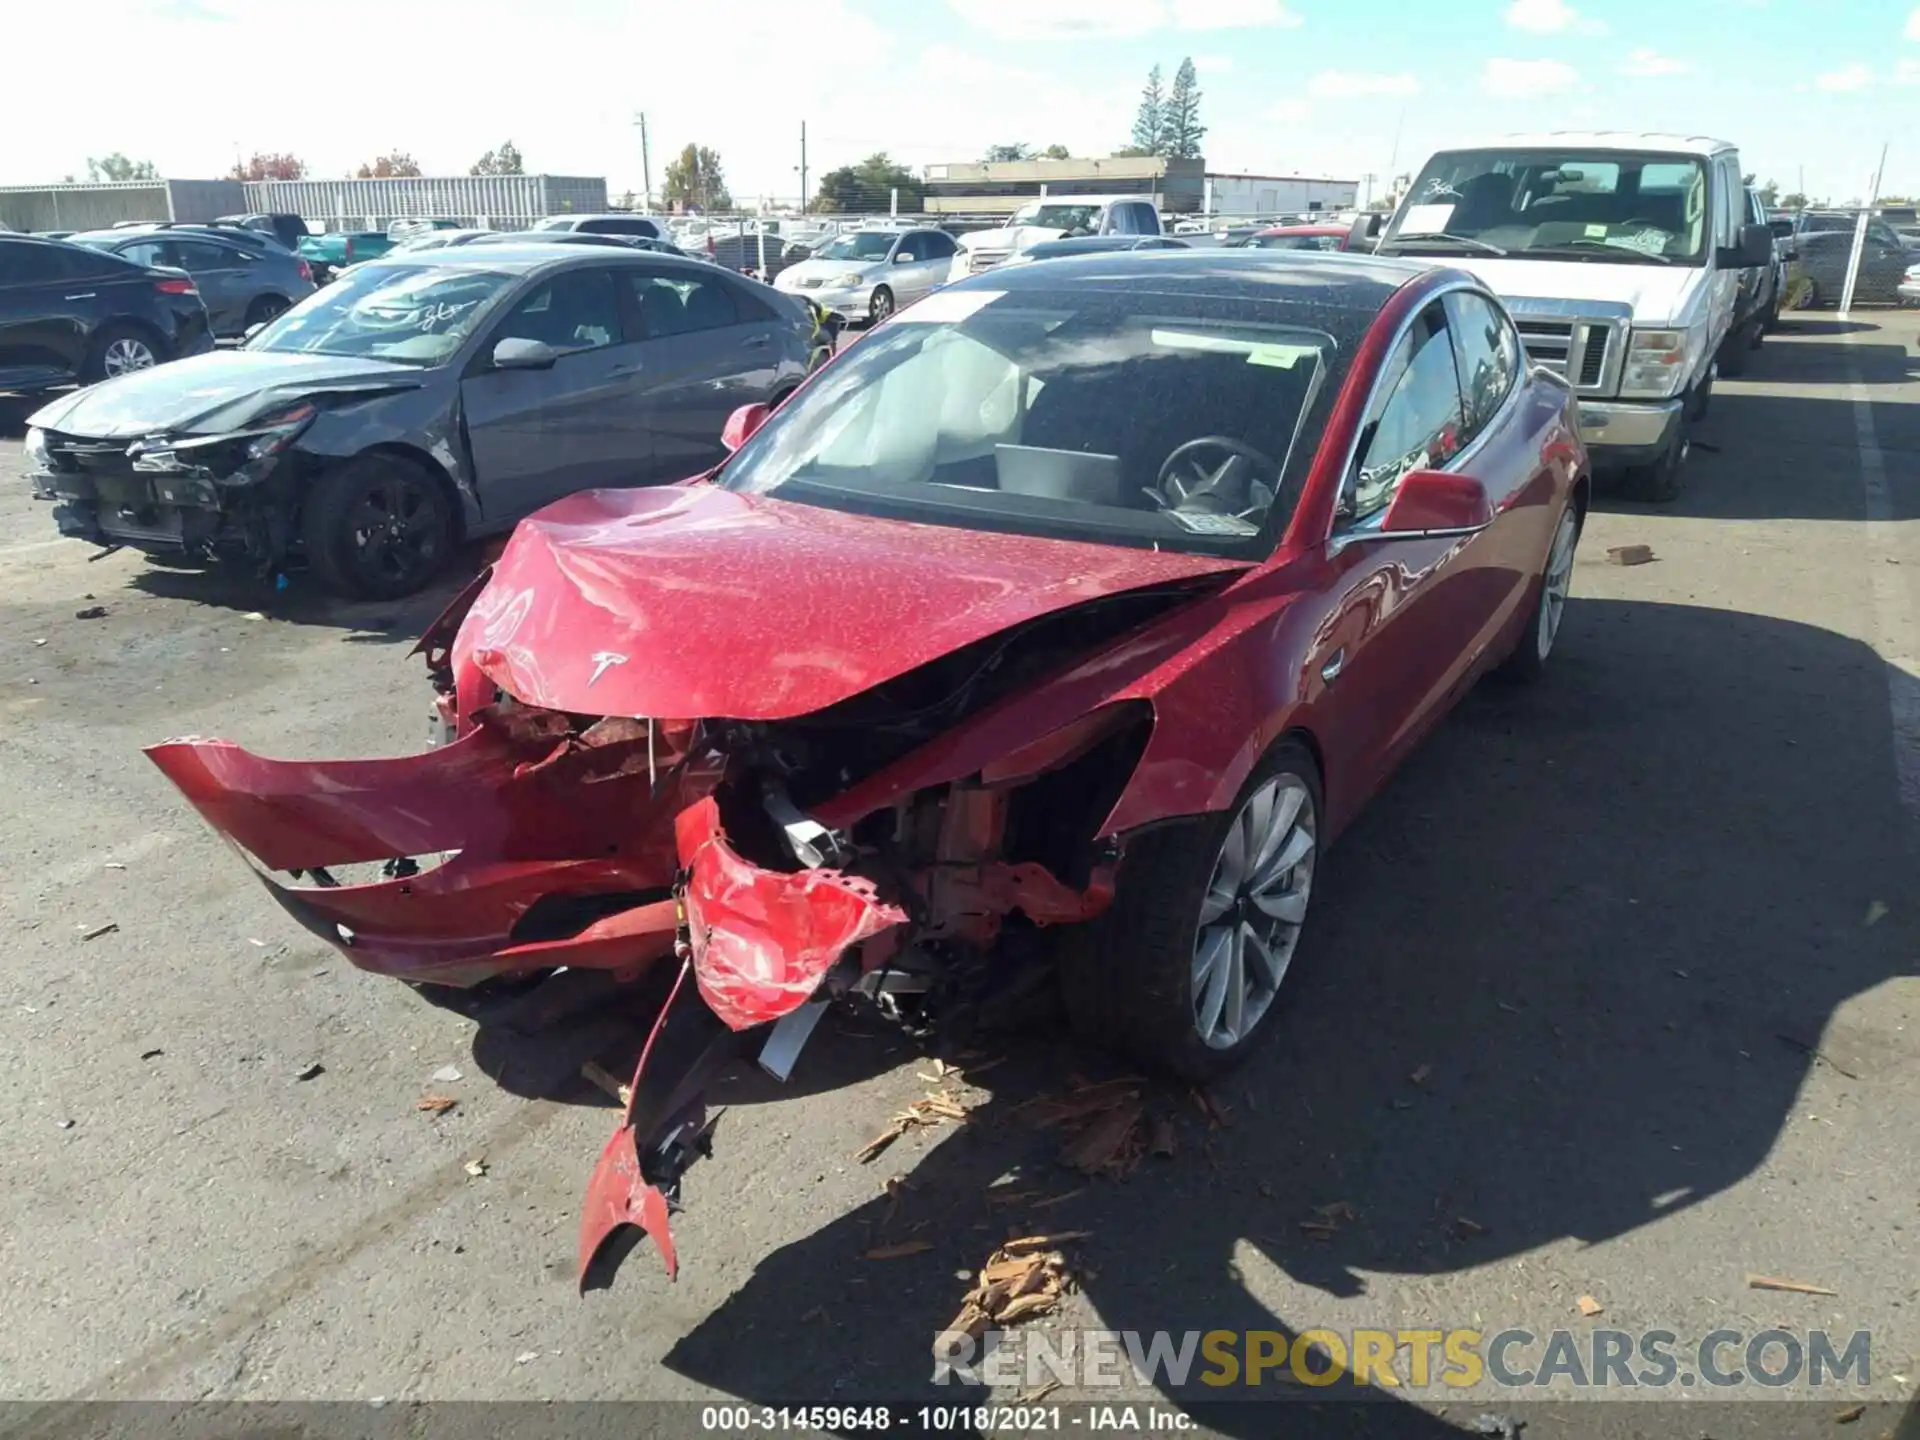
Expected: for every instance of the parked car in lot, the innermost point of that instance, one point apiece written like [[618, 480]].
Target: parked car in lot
[[242, 282], [1058, 218], [437, 240], [577, 237], [70, 313], [1824, 242], [642, 225], [1066, 619], [1301, 237], [288, 230], [1095, 245], [1619, 256], [419, 401], [335, 250], [868, 274]]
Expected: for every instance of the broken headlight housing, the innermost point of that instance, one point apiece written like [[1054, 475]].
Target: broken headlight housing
[[237, 456], [38, 457]]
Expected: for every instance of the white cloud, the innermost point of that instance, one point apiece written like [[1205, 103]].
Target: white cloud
[[1288, 112], [1116, 19], [1550, 17], [1348, 85], [1912, 31], [1645, 64], [1848, 77], [1213, 64], [1527, 79], [1908, 72]]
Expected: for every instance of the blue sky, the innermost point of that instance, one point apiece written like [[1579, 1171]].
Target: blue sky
[[1322, 87]]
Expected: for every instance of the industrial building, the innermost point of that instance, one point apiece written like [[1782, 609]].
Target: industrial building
[[500, 201], [1178, 187]]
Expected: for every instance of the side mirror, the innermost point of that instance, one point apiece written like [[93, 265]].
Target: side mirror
[[1437, 501], [903, 259], [1754, 248], [514, 353], [741, 424]]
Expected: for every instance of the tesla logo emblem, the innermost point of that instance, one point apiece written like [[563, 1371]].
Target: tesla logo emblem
[[602, 660]]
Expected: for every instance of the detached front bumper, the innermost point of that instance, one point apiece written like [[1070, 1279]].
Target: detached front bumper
[[1629, 432]]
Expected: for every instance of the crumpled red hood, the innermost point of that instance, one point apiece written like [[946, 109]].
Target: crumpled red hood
[[692, 602]]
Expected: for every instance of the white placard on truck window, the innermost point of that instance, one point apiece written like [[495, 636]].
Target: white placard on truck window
[[1425, 219]]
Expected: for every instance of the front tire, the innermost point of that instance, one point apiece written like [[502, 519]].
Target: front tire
[[880, 306], [1528, 662], [1184, 970], [376, 528], [1658, 482]]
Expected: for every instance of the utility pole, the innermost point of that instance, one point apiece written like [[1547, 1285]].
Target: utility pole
[[803, 167], [646, 165]]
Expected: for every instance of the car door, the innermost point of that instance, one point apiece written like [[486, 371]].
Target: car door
[[707, 347], [221, 275], [1388, 653], [48, 310], [536, 435], [1883, 263], [939, 248], [914, 271]]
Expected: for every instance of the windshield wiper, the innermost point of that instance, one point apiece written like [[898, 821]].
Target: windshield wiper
[[1624, 252], [1444, 237]]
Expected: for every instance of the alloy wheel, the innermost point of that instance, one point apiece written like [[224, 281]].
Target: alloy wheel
[[1255, 904], [128, 354], [1557, 583], [881, 306], [394, 531]]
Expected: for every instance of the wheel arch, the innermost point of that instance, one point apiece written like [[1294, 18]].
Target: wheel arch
[[404, 453]]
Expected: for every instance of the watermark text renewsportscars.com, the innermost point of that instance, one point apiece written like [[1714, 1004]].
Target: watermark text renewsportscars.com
[[1408, 1359]]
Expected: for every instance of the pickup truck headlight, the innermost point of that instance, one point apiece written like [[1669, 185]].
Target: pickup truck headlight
[[1657, 364], [39, 458]]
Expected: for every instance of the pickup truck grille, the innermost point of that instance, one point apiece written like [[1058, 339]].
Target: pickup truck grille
[[1587, 352], [978, 260]]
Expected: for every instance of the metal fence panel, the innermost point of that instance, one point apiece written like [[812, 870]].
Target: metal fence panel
[[83, 206], [499, 200]]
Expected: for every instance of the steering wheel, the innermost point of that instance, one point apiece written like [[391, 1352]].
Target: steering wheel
[[1242, 483]]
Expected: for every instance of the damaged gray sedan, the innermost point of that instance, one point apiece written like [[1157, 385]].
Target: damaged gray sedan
[[419, 402]]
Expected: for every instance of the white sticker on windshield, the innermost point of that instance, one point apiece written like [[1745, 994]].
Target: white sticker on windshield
[[1425, 219], [1647, 242], [1201, 524], [1283, 356], [947, 307]]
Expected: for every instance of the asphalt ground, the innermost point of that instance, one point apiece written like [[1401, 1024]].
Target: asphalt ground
[[1611, 1000]]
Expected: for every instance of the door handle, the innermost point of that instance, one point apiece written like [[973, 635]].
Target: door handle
[[90, 295], [1336, 662]]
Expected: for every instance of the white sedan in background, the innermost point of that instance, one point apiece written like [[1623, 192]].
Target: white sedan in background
[[868, 274]]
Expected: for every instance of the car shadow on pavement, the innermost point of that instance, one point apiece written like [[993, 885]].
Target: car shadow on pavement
[[1564, 978], [302, 602]]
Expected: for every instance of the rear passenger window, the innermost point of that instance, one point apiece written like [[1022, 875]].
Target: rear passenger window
[[1487, 351], [147, 252], [681, 305], [1414, 421]]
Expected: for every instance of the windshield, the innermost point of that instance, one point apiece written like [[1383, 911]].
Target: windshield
[[415, 314], [1069, 218], [1606, 205], [1124, 418], [865, 246]]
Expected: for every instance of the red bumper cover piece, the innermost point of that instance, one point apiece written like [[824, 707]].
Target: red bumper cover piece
[[763, 939]]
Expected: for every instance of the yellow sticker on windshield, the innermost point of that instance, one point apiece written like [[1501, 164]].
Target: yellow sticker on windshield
[[1596, 232], [1284, 357]]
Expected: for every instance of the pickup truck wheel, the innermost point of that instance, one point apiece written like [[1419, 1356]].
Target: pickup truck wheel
[[1184, 970], [1659, 481], [376, 528]]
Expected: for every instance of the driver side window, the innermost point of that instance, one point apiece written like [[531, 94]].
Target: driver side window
[[1414, 421]]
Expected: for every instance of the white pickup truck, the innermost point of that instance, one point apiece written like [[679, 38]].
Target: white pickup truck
[[1054, 218], [1619, 257]]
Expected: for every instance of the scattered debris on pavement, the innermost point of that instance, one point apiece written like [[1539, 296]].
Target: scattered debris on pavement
[[153, 1054], [1419, 1076], [1165, 1141], [477, 1166], [310, 1072], [1589, 1306], [1876, 912], [1797, 1287], [445, 1075], [1849, 1415], [1629, 554], [598, 1075], [1466, 1229], [66, 1124], [91, 612], [436, 1104], [99, 930], [930, 1109], [899, 1250], [1329, 1218], [1502, 1427], [1102, 1121], [526, 1357], [1023, 1278]]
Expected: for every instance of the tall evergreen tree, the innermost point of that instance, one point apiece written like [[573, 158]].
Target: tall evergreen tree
[[1149, 123], [1180, 127]]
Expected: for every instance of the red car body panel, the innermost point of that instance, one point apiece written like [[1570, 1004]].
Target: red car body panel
[[692, 604], [697, 603]]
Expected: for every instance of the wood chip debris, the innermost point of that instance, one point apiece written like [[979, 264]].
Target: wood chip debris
[[1022, 1279], [477, 1166], [436, 1104], [595, 1074], [1165, 1141], [1797, 1287], [1849, 1415], [1111, 1145], [1059, 1199], [929, 1109], [899, 1250], [310, 1072], [1419, 1077], [1329, 1218], [1589, 1306], [1629, 554], [1466, 1229], [97, 931]]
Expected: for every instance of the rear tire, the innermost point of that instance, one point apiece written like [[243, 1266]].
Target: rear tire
[[1138, 979], [376, 528], [265, 309], [120, 350], [1733, 354]]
